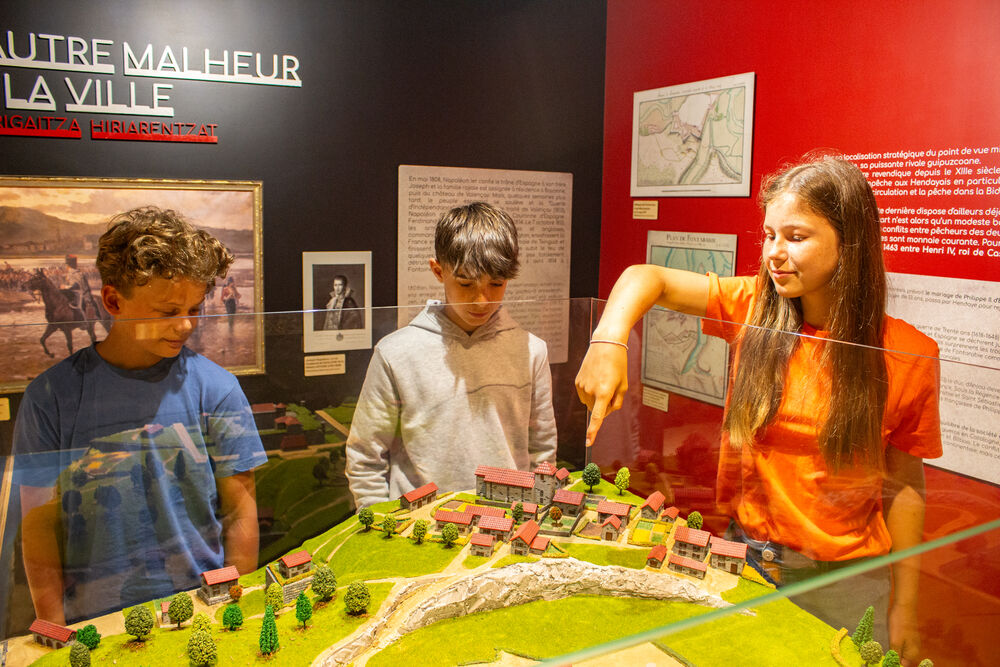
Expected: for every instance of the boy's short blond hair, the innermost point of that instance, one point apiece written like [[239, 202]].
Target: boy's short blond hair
[[149, 242], [477, 239]]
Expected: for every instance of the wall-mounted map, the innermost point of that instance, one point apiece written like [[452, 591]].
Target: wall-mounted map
[[676, 355], [693, 139]]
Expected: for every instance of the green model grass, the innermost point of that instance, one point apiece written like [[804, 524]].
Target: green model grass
[[369, 555], [167, 647], [599, 554]]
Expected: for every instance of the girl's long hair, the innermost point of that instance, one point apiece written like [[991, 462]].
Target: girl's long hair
[[851, 431]]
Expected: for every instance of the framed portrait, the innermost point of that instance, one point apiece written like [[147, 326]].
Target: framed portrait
[[336, 301], [50, 303]]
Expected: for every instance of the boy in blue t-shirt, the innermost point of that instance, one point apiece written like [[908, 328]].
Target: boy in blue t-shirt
[[134, 457]]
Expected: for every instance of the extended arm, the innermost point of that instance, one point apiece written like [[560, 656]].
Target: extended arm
[[40, 544], [904, 501], [602, 380], [240, 531]]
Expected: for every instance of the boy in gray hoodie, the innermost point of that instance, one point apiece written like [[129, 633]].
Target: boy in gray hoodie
[[462, 385]]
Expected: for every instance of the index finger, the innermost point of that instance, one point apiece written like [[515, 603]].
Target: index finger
[[597, 415]]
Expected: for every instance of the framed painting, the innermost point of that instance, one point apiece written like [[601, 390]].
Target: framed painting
[[49, 231], [336, 301]]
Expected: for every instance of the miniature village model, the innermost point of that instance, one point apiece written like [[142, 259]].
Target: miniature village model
[[375, 589]]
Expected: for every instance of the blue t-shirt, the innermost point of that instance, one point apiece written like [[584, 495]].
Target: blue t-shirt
[[133, 457]]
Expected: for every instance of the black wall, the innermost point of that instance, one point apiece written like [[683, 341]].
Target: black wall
[[507, 85]]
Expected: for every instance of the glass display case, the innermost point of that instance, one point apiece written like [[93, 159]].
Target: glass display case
[[621, 553]]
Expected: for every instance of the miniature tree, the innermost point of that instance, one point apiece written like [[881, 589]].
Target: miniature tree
[[695, 520], [926, 662], [871, 652], [181, 608], [273, 596], [891, 659], [201, 649], [556, 515], [139, 622], [420, 531], [89, 636], [79, 655], [389, 525], [324, 583], [366, 517], [79, 478], [357, 598], [201, 622], [269, 633], [236, 592], [518, 512], [232, 617], [622, 480], [321, 471], [591, 476], [863, 633], [180, 466], [303, 608], [449, 534]]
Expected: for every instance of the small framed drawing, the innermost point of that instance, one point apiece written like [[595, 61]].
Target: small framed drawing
[[50, 289], [336, 301]]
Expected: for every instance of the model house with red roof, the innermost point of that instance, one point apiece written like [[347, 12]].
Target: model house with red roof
[[294, 564], [670, 514], [51, 634], [500, 527], [611, 528], [653, 505], [481, 544], [479, 512], [570, 502], [291, 443], [288, 423], [727, 556], [509, 486], [691, 543], [215, 584], [419, 497], [528, 510], [165, 612], [656, 556], [606, 508], [461, 520], [264, 415], [526, 540], [689, 566]]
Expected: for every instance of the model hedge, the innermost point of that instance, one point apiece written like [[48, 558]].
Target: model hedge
[[201, 650], [232, 617], [181, 608], [324, 583], [139, 622], [357, 598], [89, 636], [79, 655]]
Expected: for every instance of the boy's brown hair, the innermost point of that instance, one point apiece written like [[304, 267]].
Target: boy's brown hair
[[477, 239], [149, 242]]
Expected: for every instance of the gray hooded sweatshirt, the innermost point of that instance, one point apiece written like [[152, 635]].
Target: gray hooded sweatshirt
[[437, 402]]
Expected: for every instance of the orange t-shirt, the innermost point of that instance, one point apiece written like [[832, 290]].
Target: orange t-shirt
[[781, 489]]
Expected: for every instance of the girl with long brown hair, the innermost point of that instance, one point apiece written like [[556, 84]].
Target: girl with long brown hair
[[832, 404]]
